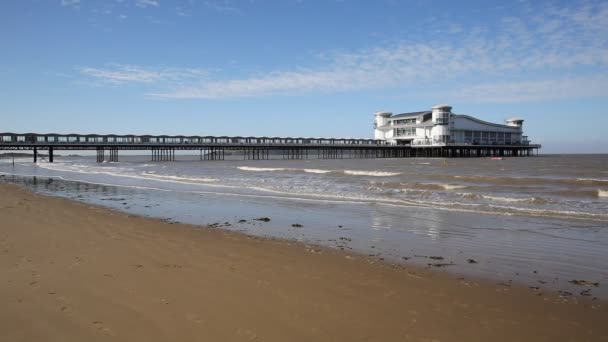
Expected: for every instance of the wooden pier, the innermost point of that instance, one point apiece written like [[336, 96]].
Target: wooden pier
[[163, 147]]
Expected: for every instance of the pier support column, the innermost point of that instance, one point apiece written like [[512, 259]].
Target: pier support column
[[100, 154], [50, 154], [113, 154], [35, 155]]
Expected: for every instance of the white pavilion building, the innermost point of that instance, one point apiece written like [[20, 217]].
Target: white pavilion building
[[440, 127]]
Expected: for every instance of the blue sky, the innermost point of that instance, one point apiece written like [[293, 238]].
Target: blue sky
[[302, 68]]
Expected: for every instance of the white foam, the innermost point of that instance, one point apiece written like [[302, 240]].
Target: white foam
[[592, 180], [602, 193], [316, 171], [177, 178], [507, 199], [452, 186], [553, 213], [414, 191], [260, 169], [371, 173], [469, 195], [340, 198], [86, 169]]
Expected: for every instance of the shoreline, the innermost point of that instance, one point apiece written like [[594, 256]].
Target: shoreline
[[190, 282], [443, 262], [433, 264]]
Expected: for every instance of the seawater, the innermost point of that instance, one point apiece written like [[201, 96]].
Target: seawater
[[541, 221]]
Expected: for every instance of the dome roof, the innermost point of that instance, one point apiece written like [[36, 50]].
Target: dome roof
[[443, 105]]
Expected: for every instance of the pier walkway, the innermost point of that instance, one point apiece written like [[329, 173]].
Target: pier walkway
[[163, 147]]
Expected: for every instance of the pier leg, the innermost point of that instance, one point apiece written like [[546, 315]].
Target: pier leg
[[99, 155], [113, 154], [35, 155], [50, 154]]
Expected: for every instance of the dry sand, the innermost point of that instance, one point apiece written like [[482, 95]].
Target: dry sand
[[74, 272]]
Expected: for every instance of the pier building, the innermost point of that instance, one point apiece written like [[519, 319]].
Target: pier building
[[434, 133], [440, 127]]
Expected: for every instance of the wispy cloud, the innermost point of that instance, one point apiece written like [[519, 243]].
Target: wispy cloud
[[71, 3], [221, 6], [523, 59], [123, 74], [533, 91], [147, 3], [181, 12]]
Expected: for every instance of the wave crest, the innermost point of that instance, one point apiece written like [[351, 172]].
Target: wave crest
[[260, 169], [177, 178], [317, 171], [371, 173]]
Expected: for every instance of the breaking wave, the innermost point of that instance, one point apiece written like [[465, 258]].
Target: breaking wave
[[177, 178], [531, 180], [260, 169], [430, 186], [317, 171], [533, 200], [371, 173], [273, 169], [569, 214]]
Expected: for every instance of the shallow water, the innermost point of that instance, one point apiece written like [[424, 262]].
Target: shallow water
[[540, 221]]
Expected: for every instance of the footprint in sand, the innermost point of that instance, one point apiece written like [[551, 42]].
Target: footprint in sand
[[160, 301], [249, 334], [101, 327], [194, 318]]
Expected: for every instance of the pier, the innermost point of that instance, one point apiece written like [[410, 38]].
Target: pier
[[163, 147]]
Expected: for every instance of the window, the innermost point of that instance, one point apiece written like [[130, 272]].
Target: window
[[442, 118], [404, 122], [408, 131]]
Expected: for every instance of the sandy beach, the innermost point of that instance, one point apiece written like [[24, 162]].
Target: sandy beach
[[75, 272]]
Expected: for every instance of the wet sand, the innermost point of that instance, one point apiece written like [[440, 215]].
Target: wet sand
[[75, 272]]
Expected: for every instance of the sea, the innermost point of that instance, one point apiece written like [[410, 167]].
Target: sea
[[538, 221]]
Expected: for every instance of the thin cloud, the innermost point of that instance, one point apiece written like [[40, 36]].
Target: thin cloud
[[520, 56], [181, 12], [533, 91], [71, 3], [221, 6], [147, 3], [123, 74]]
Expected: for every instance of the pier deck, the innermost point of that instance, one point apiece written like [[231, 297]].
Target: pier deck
[[163, 147]]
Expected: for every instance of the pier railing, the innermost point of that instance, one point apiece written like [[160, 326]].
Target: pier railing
[[111, 139], [163, 147]]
